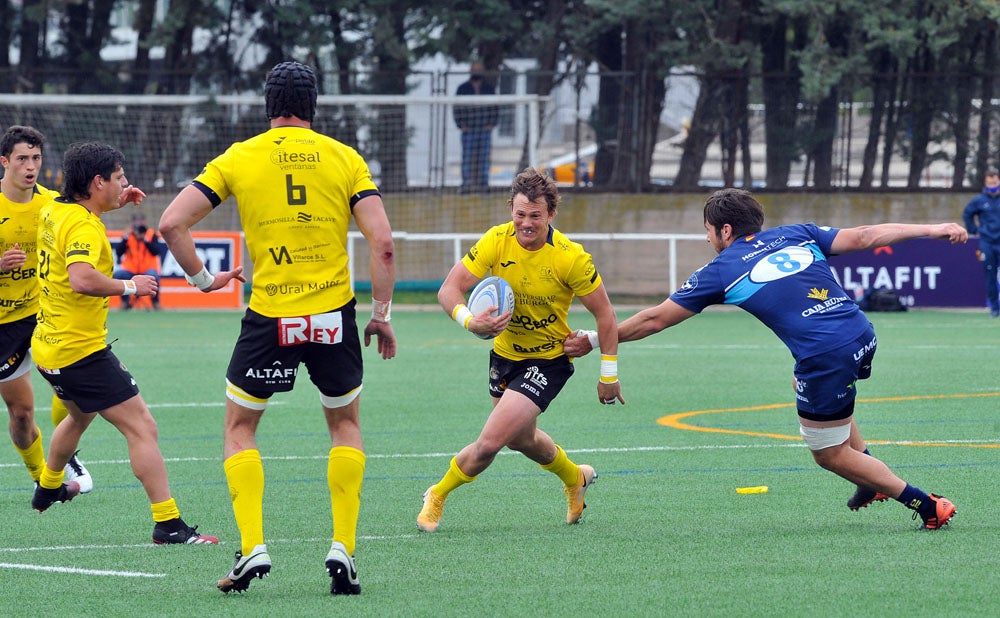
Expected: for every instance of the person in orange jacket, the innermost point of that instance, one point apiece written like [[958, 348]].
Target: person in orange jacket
[[139, 253]]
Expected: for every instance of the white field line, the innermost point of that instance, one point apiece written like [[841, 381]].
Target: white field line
[[617, 449], [76, 571]]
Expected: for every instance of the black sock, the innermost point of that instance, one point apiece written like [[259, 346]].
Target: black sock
[[913, 498]]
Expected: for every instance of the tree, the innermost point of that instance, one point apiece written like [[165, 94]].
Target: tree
[[488, 30], [921, 64], [7, 14], [635, 44], [725, 61], [144, 15], [392, 67], [33, 16], [85, 30], [782, 89]]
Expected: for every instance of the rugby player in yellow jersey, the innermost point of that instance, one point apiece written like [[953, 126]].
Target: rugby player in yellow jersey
[[69, 346], [21, 197], [527, 365], [296, 191]]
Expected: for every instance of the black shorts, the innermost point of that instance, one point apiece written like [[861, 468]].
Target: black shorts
[[268, 352], [15, 340], [94, 383], [540, 380]]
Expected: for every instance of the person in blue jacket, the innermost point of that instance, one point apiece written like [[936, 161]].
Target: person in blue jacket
[[476, 123], [782, 277], [982, 217]]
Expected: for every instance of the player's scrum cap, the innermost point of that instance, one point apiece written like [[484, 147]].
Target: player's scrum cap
[[290, 90]]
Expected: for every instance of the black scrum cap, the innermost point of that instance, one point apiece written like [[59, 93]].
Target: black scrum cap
[[290, 90]]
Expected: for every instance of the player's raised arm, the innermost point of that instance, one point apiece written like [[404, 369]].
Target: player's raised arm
[[866, 237]]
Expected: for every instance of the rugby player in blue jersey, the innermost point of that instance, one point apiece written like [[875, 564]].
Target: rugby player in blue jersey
[[781, 276]]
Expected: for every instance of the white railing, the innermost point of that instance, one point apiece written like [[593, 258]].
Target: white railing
[[456, 239]]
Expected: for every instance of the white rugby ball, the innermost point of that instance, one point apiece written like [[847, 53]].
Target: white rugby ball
[[491, 292]]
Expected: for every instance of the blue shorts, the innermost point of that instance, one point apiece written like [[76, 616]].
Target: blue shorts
[[825, 384], [540, 380]]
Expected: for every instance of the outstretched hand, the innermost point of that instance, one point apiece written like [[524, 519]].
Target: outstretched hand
[[222, 279], [952, 232]]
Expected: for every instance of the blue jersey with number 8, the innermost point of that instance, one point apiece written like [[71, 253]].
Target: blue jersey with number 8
[[782, 277]]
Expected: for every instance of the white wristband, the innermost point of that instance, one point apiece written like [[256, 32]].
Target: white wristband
[[129, 287], [591, 337], [609, 369], [462, 315], [381, 310], [203, 280]]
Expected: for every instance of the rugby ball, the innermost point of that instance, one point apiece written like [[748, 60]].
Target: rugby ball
[[491, 292]]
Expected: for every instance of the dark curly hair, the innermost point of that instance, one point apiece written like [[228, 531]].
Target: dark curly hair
[[18, 134], [84, 160]]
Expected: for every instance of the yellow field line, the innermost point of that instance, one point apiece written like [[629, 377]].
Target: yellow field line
[[674, 420]]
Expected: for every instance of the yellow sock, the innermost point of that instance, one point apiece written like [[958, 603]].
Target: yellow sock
[[50, 479], [33, 456], [165, 511], [344, 474], [567, 471], [452, 479], [245, 473], [59, 411]]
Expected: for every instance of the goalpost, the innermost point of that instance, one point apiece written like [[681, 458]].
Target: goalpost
[[410, 142]]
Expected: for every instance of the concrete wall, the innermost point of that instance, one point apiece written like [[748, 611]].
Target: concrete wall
[[640, 268]]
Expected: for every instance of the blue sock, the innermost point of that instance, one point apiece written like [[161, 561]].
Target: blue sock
[[913, 498]]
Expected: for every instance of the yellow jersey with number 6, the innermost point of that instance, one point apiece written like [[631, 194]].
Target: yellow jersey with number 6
[[295, 190]]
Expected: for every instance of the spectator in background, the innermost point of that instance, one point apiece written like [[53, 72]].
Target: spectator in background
[[476, 123], [139, 253], [982, 216]]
